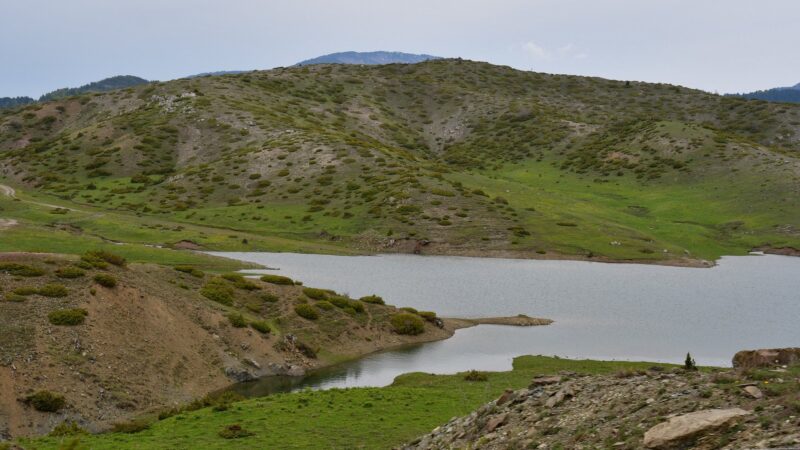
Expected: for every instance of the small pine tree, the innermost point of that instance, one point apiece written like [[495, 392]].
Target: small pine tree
[[689, 364]]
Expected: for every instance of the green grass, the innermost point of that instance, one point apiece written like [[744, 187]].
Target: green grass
[[370, 418]]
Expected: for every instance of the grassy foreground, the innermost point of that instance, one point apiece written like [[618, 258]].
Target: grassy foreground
[[371, 418]]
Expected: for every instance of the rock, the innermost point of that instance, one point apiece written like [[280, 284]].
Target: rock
[[754, 392], [494, 422], [252, 362], [748, 359], [542, 381], [239, 375], [566, 392], [679, 429], [507, 396]]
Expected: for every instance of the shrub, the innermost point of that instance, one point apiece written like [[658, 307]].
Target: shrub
[[277, 279], [217, 291], [409, 310], [25, 290], [324, 304], [70, 272], [67, 428], [405, 323], [20, 270], [689, 363], [46, 401], [305, 349], [475, 375], [99, 258], [105, 280], [240, 281], [261, 326], [234, 432], [237, 320], [53, 290], [306, 311], [67, 317], [316, 294], [269, 298], [131, 426], [13, 297], [430, 316], [374, 299], [191, 271]]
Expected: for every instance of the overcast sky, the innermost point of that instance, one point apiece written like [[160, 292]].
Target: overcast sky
[[716, 45]]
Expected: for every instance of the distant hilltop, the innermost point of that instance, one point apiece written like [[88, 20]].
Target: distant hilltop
[[789, 94], [379, 57], [104, 85]]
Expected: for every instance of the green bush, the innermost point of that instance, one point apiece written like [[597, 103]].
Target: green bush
[[405, 323], [277, 279], [70, 272], [474, 375], [68, 317], [269, 298], [234, 432], [20, 270], [100, 258], [429, 316], [325, 305], [237, 320], [53, 290], [25, 290], [67, 428], [306, 311], [347, 304], [261, 326], [409, 309], [316, 294], [105, 280], [240, 282], [191, 271], [217, 290], [13, 297], [131, 426], [374, 299], [46, 401]]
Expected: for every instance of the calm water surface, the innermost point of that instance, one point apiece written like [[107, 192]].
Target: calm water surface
[[601, 311]]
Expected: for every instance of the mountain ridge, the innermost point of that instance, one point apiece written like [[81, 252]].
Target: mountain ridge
[[376, 57]]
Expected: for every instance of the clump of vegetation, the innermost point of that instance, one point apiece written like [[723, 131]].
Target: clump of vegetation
[[101, 258], [374, 299], [261, 326], [191, 271], [429, 316], [46, 401], [237, 320], [25, 290], [324, 305], [475, 375], [316, 294], [217, 290], [67, 428], [277, 279], [70, 272], [131, 426], [240, 282], [406, 323], [306, 311], [53, 290], [234, 432], [68, 317], [689, 364], [20, 270], [13, 297], [269, 298], [105, 280]]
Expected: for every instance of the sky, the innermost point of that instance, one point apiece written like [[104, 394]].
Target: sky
[[716, 45]]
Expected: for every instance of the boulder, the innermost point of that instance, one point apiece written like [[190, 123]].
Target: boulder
[[494, 422], [770, 357], [542, 381], [754, 392], [675, 432]]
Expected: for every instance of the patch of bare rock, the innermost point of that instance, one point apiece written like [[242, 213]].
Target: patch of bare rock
[[653, 409]]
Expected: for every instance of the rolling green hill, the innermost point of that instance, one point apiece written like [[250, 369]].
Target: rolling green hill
[[449, 156]]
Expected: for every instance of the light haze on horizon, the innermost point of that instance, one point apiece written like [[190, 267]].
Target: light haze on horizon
[[718, 46]]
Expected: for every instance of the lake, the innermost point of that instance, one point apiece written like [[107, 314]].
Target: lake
[[601, 310]]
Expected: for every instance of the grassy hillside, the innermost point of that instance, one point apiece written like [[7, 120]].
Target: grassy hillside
[[465, 157], [116, 340]]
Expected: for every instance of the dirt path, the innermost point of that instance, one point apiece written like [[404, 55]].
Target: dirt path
[[11, 192]]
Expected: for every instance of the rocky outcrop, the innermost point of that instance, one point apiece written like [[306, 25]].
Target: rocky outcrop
[[653, 409], [772, 357], [679, 430]]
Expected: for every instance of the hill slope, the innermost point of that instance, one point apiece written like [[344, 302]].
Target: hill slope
[[106, 84], [781, 94], [444, 156], [368, 58]]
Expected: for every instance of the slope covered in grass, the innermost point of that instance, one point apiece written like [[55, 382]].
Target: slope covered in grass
[[468, 157]]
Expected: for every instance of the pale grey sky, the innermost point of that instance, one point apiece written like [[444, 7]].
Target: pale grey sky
[[716, 45]]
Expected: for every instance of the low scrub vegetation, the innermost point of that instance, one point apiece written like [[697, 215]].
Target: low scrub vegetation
[[53, 290], [316, 294], [46, 401], [237, 320], [105, 280], [218, 290], [67, 317], [306, 311], [277, 279], [374, 299], [70, 272], [261, 326], [101, 258], [407, 323], [21, 270], [191, 271]]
